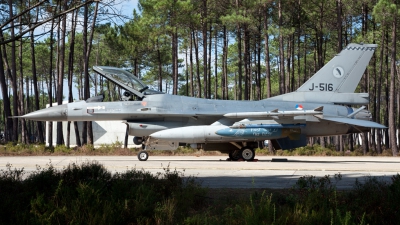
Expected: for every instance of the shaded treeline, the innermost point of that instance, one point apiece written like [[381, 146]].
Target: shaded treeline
[[226, 49]]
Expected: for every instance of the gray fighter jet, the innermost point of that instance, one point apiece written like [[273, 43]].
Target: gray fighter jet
[[159, 121]]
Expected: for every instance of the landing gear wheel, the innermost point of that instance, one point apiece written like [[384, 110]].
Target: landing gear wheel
[[234, 155], [143, 156], [138, 140], [247, 154]]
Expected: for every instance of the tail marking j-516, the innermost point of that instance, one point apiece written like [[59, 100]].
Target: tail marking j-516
[[336, 81]]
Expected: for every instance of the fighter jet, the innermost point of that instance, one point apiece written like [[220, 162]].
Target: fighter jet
[[160, 121]]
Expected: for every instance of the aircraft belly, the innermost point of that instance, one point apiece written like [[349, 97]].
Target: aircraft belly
[[142, 129], [147, 127], [325, 128]]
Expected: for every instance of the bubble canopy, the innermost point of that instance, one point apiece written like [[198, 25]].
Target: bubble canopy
[[125, 80]]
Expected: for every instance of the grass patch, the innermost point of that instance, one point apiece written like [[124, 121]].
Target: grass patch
[[116, 148], [13, 149]]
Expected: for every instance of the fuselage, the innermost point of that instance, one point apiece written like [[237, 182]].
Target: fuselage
[[163, 111]]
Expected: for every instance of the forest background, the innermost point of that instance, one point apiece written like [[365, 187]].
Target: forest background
[[225, 49]]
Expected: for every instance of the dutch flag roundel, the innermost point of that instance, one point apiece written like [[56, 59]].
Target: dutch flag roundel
[[299, 107]]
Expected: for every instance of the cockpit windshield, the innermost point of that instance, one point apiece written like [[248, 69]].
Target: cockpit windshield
[[126, 80]]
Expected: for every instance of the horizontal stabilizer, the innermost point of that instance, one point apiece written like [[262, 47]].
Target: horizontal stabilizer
[[355, 122]]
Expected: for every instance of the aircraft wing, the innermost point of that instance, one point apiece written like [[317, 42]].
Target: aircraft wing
[[355, 122], [276, 113]]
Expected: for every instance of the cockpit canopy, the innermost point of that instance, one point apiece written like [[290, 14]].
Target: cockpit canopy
[[125, 80]]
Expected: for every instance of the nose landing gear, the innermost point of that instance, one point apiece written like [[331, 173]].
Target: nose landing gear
[[143, 155]]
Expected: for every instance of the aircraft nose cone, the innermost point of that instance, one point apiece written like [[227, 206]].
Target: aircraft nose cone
[[55, 113], [225, 132]]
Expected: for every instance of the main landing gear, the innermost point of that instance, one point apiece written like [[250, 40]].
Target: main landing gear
[[246, 154]]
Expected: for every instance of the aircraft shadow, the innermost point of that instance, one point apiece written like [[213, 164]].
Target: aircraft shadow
[[346, 182]]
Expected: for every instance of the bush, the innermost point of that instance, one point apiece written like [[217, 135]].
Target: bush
[[89, 194]]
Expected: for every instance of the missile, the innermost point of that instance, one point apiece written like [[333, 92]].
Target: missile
[[261, 133], [274, 125], [219, 133], [190, 134]]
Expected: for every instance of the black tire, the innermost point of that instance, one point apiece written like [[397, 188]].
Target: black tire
[[233, 156], [137, 140], [247, 154], [143, 155]]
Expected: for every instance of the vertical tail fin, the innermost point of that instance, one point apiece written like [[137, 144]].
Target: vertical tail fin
[[342, 73], [338, 79]]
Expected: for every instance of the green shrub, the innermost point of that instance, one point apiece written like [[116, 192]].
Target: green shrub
[[89, 194]]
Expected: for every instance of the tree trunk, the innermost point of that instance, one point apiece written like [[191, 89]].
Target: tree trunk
[[259, 44], [60, 74], [322, 142], [70, 79], [86, 91], [6, 100], [392, 120], [40, 134], [159, 66], [191, 66], [266, 53], [13, 77], [224, 82], [281, 51], [24, 132], [288, 63], [246, 48], [379, 96], [386, 111], [175, 61], [186, 72], [196, 49], [126, 136], [209, 64], [204, 32], [240, 64], [89, 49], [50, 89], [216, 65]]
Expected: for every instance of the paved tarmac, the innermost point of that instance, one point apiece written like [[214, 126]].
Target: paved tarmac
[[216, 172]]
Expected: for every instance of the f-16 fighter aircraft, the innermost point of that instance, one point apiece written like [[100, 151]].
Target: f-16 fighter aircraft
[[159, 121]]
